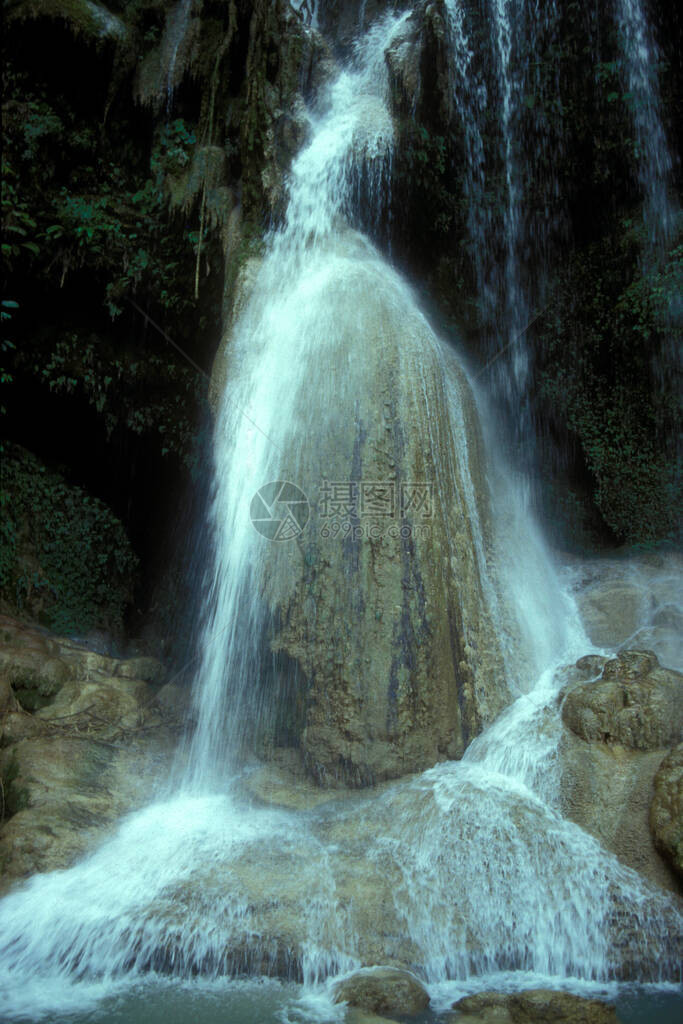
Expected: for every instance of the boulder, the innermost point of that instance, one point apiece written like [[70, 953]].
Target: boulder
[[666, 810], [383, 990], [618, 727], [18, 725], [535, 1006], [636, 703], [65, 793]]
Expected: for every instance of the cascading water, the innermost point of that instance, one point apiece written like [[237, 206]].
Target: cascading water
[[462, 872], [520, 235], [640, 57], [654, 164], [512, 240], [174, 36], [284, 331]]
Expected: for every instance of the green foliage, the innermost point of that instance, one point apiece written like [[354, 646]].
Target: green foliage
[[74, 197], [427, 164], [64, 557], [6, 346], [18, 227], [604, 350], [125, 233], [88, 208], [161, 396]]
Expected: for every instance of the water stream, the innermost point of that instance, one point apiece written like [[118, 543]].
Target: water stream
[[640, 55], [467, 872]]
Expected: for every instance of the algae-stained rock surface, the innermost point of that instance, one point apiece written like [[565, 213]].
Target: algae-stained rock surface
[[383, 990], [535, 1006], [666, 810], [82, 741]]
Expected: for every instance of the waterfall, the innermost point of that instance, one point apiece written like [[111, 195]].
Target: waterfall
[[640, 56], [512, 243], [283, 332], [518, 236], [175, 30], [462, 871]]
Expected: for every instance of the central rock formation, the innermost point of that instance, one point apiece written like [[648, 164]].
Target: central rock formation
[[380, 614]]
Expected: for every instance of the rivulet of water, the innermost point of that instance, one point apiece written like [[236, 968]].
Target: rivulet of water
[[640, 56]]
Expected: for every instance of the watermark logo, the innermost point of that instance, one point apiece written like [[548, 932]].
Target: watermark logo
[[343, 500], [372, 509], [279, 510], [346, 509]]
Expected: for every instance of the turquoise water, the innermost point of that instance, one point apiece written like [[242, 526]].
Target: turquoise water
[[263, 1001]]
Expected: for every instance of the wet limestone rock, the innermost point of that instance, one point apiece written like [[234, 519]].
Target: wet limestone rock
[[636, 702], [403, 59], [611, 611], [535, 1006], [149, 670], [619, 718], [277, 785], [607, 790], [340, 19], [635, 603], [383, 990], [81, 740], [666, 810]]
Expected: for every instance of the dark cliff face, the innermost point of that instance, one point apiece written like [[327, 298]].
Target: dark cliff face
[[340, 21]]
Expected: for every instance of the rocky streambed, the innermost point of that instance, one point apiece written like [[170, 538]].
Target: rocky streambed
[[457, 871]]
